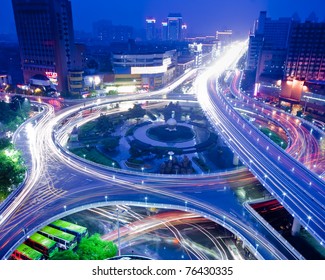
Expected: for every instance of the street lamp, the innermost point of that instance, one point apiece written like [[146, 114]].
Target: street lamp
[[106, 198], [250, 163], [256, 247], [142, 168], [65, 208], [284, 195], [118, 211], [146, 199], [309, 218]]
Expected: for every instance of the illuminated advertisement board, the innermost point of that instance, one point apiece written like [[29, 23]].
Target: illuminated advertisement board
[[53, 76]]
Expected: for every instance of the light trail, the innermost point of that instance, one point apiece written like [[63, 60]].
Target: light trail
[[302, 199]]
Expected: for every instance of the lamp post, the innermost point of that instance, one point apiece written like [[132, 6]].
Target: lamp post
[[118, 211], [256, 247], [309, 218], [284, 195], [306, 100]]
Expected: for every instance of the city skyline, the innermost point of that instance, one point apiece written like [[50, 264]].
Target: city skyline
[[201, 19]]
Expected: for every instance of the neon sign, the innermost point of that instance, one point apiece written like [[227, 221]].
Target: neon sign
[[53, 76]]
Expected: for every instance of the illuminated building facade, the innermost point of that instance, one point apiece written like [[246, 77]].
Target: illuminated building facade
[[150, 29], [306, 52], [164, 30], [45, 34], [184, 31], [174, 21], [267, 46], [145, 69], [305, 63]]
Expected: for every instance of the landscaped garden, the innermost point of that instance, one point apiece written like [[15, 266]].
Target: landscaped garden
[[170, 139]]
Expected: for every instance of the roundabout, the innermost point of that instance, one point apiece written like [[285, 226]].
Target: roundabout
[[71, 184]]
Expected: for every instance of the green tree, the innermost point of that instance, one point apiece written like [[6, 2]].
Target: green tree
[[94, 248], [13, 114], [137, 111], [11, 170], [170, 108], [104, 124], [65, 255], [111, 143], [5, 143]]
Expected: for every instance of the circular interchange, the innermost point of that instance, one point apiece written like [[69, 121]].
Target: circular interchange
[[162, 133]]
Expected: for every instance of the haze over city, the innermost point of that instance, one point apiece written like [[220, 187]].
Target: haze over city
[[203, 17]]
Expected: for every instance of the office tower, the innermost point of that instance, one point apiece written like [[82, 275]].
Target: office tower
[[174, 21], [225, 37], [101, 30], [184, 31], [164, 31], [45, 35], [305, 63], [267, 47], [306, 51], [105, 32], [150, 29]]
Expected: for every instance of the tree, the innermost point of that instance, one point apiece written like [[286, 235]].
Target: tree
[[65, 255], [104, 124], [94, 248], [111, 144], [5, 143], [137, 111], [172, 108], [11, 170]]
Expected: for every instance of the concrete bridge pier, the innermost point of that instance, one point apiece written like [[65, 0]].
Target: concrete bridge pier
[[295, 227]]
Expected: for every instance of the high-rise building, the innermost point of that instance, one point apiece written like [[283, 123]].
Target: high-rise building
[[225, 37], [101, 30], [267, 47], [305, 63], [46, 40], [150, 29], [255, 45], [105, 32], [174, 21], [164, 31], [184, 31], [306, 51]]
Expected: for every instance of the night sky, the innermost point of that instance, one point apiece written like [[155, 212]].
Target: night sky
[[202, 16]]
